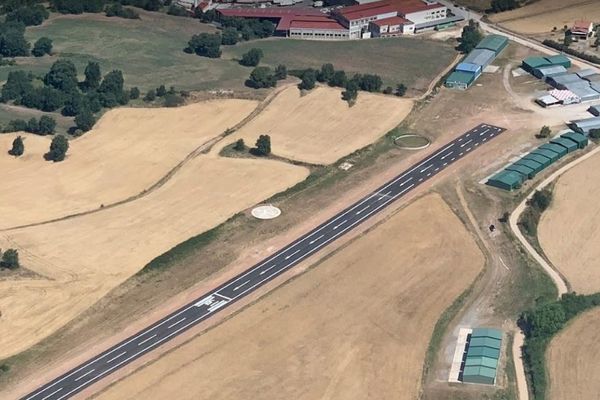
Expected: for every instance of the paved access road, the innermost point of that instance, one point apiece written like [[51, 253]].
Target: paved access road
[[146, 340]]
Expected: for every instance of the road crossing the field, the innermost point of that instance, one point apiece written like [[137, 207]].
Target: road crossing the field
[[98, 367]]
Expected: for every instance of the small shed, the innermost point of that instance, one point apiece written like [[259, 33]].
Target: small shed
[[555, 148], [507, 180], [495, 43], [547, 101], [526, 172], [578, 138], [482, 57], [566, 143], [460, 80], [559, 59], [546, 72]]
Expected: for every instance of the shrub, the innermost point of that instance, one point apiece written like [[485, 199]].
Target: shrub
[[18, 148], [281, 72], [261, 77], [239, 145], [85, 120], [309, 79], [263, 146], [58, 149], [42, 46], [251, 58], [10, 259], [173, 100]]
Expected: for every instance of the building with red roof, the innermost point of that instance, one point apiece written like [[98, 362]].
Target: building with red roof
[[582, 29], [393, 26]]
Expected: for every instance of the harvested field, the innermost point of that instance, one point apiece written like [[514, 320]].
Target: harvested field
[[319, 127], [567, 228], [572, 359], [128, 150], [81, 259], [543, 15], [355, 327]]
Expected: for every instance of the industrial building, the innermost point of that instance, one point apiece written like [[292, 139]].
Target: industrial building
[[482, 355], [585, 125], [513, 176], [471, 67]]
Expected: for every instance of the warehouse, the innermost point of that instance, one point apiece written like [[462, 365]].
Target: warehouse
[[483, 353], [544, 161], [495, 43], [583, 90], [317, 28], [552, 156], [534, 62], [526, 172], [507, 180], [559, 59], [533, 164], [546, 72], [585, 125], [566, 143], [547, 101], [468, 67], [460, 80], [559, 150], [483, 57], [392, 26], [581, 140], [560, 81]]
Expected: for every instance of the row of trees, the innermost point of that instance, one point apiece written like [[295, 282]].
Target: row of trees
[[28, 15], [44, 126], [497, 6], [541, 324], [61, 90], [56, 153], [96, 6], [538, 203], [9, 259], [565, 48]]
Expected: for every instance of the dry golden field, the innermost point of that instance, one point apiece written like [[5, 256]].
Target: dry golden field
[[356, 326], [543, 15], [319, 127], [567, 231], [79, 260], [572, 359], [128, 150]]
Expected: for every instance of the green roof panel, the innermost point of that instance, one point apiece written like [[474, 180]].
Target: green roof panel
[[481, 361], [479, 371], [561, 151], [526, 172], [528, 162], [566, 143], [486, 342], [559, 59], [538, 158], [487, 332], [578, 138], [533, 62], [552, 156], [496, 43], [480, 351]]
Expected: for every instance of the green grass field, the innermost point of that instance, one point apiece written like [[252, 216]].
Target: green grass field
[[412, 61], [148, 51]]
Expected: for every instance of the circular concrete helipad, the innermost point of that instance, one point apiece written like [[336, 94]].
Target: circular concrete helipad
[[266, 212]]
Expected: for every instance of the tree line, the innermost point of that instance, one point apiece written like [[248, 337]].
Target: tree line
[[565, 49]]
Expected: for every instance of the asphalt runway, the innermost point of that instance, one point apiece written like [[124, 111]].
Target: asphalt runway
[[100, 366]]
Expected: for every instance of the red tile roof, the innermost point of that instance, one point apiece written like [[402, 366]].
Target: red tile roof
[[583, 26], [402, 7], [268, 12], [411, 6], [316, 22], [391, 21]]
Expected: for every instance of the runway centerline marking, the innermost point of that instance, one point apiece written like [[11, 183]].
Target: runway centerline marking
[[292, 255], [145, 340], [340, 224], [115, 357], [314, 240], [426, 168], [362, 209], [86, 374], [466, 143], [176, 323], [52, 394]]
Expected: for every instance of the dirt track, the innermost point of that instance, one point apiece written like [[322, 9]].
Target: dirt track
[[355, 327]]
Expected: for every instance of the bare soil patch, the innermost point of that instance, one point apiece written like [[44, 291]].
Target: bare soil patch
[[319, 127], [572, 359], [128, 150], [543, 15], [354, 327], [566, 230], [82, 259]]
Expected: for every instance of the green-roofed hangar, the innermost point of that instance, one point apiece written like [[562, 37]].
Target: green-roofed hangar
[[537, 160], [482, 354]]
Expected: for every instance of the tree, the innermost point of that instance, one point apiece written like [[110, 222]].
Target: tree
[[46, 125], [150, 96], [351, 92], [388, 90], [177, 11], [17, 83], [568, 39], [470, 37], [261, 77], [12, 40], [93, 76], [50, 99], [85, 120], [400, 90], [239, 145], [112, 83], [544, 132], [338, 79], [62, 76], [28, 15], [263, 146], [10, 259], [229, 36], [42, 46], [206, 45], [503, 5], [58, 149], [326, 73], [309, 78], [541, 199], [251, 58], [173, 100], [134, 93], [18, 148], [280, 72], [370, 82], [161, 91]]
